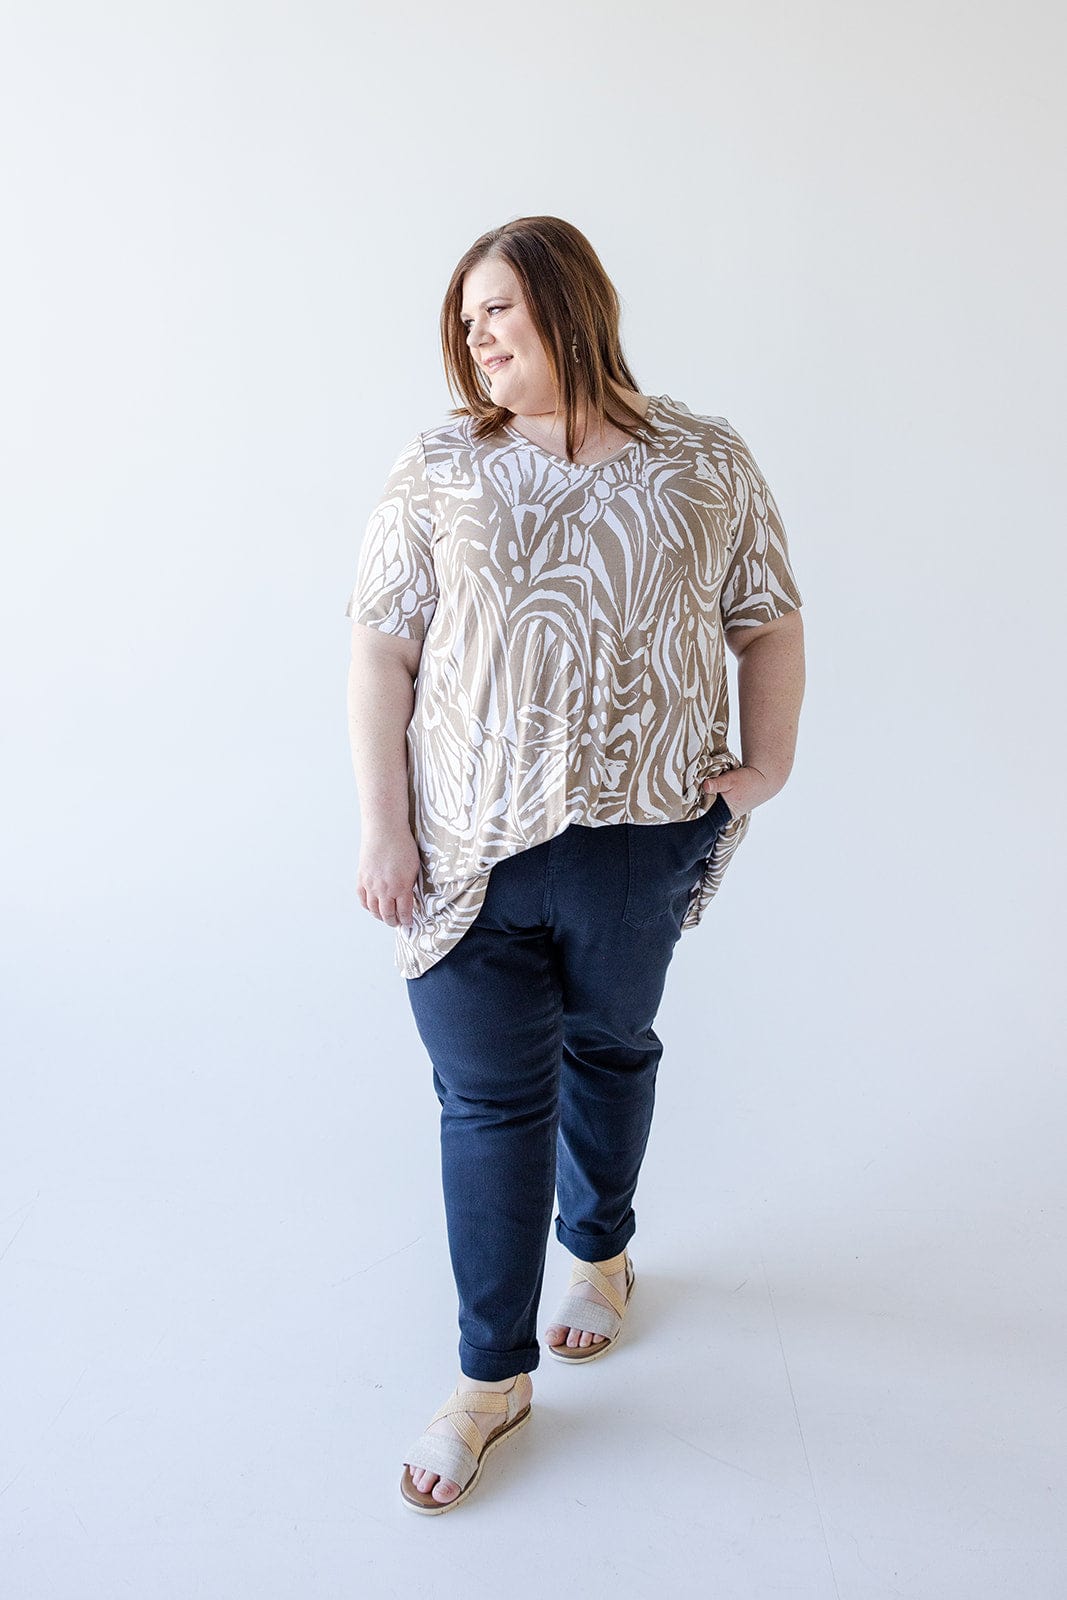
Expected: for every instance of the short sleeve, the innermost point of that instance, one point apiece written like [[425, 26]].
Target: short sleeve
[[396, 585], [759, 584]]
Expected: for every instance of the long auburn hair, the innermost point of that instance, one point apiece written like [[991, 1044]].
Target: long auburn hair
[[571, 300]]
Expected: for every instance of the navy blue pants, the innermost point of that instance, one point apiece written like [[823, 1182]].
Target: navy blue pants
[[538, 1024]]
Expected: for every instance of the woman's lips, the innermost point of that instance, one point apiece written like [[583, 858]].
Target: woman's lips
[[497, 361]]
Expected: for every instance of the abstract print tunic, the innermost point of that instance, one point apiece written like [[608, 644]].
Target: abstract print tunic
[[572, 618]]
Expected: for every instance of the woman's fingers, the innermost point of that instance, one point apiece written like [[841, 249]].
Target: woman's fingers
[[395, 911], [405, 906], [741, 787]]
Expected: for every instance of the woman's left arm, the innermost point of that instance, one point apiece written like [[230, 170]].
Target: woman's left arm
[[770, 689]]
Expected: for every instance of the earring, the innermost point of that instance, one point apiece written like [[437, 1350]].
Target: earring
[[574, 347]]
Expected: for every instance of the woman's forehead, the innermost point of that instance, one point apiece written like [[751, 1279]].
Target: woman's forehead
[[490, 280]]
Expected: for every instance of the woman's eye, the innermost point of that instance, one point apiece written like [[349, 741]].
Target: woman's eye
[[467, 326]]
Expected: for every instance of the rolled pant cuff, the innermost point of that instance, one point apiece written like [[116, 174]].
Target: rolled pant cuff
[[494, 1365], [601, 1248]]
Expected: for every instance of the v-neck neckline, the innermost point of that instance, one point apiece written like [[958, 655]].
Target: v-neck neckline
[[584, 466]]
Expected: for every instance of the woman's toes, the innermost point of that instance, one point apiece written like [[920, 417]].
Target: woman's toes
[[427, 1482], [575, 1338]]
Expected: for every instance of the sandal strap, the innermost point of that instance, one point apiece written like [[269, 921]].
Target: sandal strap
[[575, 1311], [616, 1264], [475, 1400], [455, 1456], [597, 1276], [459, 1404], [448, 1457]]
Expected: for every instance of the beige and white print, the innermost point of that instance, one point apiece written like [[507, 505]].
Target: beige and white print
[[572, 621]]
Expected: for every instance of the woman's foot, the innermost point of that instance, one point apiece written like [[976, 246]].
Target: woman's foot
[[444, 1489], [578, 1338]]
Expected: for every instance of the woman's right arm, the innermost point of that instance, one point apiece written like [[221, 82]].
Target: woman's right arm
[[381, 698]]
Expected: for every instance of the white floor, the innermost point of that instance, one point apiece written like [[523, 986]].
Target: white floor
[[211, 1396], [228, 1310]]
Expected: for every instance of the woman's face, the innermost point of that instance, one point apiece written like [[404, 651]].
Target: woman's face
[[499, 330]]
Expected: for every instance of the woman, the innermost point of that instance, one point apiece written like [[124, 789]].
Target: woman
[[539, 713]]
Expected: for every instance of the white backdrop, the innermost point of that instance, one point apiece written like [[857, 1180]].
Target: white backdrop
[[228, 230]]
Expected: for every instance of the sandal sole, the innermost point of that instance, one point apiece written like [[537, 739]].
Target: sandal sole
[[429, 1507]]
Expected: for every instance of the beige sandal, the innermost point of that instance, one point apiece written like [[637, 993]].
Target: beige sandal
[[460, 1459], [575, 1311]]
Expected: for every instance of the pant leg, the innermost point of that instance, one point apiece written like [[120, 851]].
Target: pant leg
[[489, 1013], [616, 924]]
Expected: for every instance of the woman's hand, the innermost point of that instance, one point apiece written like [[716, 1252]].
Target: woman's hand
[[743, 788], [387, 873]]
